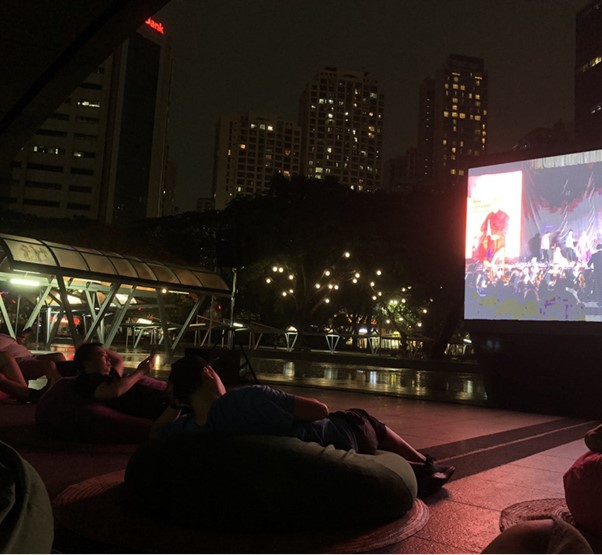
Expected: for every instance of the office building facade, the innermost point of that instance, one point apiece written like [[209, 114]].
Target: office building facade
[[588, 76], [453, 119], [102, 154], [250, 149], [341, 114]]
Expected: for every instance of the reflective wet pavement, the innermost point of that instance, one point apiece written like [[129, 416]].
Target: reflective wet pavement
[[461, 386], [436, 385]]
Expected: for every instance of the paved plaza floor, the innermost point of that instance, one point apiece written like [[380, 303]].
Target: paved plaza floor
[[502, 457]]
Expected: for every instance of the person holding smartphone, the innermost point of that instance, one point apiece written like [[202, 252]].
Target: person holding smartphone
[[102, 377]]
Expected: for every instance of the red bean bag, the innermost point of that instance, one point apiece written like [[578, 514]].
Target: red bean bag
[[65, 414], [583, 492]]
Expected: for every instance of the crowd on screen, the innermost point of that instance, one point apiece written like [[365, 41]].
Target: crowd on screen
[[559, 289]]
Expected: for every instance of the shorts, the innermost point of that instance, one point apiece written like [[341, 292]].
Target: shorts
[[368, 431]]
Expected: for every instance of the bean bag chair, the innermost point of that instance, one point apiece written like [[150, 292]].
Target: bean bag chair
[[26, 518], [250, 483], [63, 413], [583, 492]]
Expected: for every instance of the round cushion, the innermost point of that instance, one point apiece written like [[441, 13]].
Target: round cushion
[[26, 519], [95, 515], [65, 414], [583, 492], [261, 483]]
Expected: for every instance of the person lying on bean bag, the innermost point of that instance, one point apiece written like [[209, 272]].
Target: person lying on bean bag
[[263, 410], [102, 377]]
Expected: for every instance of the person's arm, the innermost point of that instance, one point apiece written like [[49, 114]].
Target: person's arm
[[117, 361], [113, 390], [308, 409], [167, 417]]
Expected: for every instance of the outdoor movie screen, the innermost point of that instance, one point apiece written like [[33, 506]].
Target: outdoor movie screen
[[534, 240]]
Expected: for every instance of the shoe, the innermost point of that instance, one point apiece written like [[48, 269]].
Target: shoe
[[431, 465], [432, 477]]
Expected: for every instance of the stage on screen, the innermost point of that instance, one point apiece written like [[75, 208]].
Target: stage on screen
[[534, 240]]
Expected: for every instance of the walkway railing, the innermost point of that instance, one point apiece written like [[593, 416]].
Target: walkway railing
[[255, 335]]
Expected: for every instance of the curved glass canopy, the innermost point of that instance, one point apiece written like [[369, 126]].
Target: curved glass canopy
[[25, 254], [101, 291]]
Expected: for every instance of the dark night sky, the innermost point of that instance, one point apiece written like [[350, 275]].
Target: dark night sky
[[239, 55]]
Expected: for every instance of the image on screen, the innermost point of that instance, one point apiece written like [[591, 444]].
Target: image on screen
[[534, 240]]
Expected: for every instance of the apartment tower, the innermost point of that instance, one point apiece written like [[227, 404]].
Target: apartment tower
[[341, 115], [452, 120], [588, 76], [250, 149]]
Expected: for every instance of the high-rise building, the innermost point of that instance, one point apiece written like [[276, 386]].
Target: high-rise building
[[250, 149], [588, 75], [103, 153], [399, 173], [341, 114], [453, 119], [426, 129]]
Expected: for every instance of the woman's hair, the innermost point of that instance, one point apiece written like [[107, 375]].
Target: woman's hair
[[83, 354], [186, 377]]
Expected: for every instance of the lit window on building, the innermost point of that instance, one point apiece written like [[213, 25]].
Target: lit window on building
[[89, 103]]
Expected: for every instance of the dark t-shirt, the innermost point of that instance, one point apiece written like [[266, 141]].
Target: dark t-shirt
[[86, 384], [146, 398], [262, 410]]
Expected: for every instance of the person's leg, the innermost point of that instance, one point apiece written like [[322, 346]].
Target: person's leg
[[395, 443], [35, 368], [55, 357], [11, 378], [14, 377], [430, 476]]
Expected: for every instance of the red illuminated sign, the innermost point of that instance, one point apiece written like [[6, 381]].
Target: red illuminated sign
[[155, 25]]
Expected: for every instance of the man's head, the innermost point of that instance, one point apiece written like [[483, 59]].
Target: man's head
[[92, 358], [192, 374]]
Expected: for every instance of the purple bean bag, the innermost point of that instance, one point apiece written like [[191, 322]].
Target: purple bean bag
[[65, 414]]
